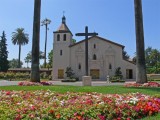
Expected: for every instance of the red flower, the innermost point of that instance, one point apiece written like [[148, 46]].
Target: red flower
[[51, 111], [8, 93], [58, 115]]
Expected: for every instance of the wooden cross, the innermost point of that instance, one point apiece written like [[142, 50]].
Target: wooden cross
[[86, 34]]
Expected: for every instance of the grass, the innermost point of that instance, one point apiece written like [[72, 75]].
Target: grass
[[99, 89], [157, 117], [155, 80]]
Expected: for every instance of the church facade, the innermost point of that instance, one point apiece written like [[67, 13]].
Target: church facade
[[104, 56]]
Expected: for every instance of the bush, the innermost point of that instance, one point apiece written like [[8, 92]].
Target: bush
[[50, 77], [70, 75], [118, 76], [44, 75], [14, 76], [69, 72], [69, 80], [117, 81], [118, 73], [2, 75]]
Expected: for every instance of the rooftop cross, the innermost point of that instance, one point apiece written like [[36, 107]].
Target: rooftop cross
[[63, 13], [64, 18], [86, 34]]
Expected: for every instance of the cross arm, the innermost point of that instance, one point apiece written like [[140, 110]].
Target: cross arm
[[80, 34], [86, 34]]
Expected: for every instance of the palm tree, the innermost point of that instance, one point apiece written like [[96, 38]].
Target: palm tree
[[28, 58], [20, 38], [140, 60], [35, 77]]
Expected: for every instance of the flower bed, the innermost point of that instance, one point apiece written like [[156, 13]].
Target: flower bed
[[149, 84], [26, 83], [47, 105]]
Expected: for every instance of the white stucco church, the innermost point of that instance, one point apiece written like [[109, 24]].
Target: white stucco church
[[104, 56]]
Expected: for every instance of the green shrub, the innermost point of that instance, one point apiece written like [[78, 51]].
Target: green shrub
[[2, 75], [14, 76], [44, 75], [117, 81], [69, 80], [118, 73], [69, 73], [50, 77]]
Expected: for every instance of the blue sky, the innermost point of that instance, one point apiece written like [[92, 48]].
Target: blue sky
[[112, 19]]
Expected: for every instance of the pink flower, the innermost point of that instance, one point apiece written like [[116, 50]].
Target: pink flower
[[102, 117]]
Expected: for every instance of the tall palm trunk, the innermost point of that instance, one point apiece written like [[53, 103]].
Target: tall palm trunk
[[35, 77], [140, 61], [19, 56]]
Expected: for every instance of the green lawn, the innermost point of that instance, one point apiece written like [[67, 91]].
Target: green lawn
[[152, 117], [99, 89]]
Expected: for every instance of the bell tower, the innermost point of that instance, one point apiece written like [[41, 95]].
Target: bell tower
[[61, 58]]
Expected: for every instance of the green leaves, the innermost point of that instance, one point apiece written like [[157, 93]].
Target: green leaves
[[19, 37]]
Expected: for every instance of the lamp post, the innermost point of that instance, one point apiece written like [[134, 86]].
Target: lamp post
[[45, 23]]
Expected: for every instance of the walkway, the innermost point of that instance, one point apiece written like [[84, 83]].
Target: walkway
[[79, 83], [8, 83]]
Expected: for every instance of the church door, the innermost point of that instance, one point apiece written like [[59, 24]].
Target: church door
[[60, 73], [129, 74], [94, 73]]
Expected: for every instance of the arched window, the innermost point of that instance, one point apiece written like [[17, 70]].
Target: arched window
[[58, 37], [64, 37], [94, 57], [61, 52], [110, 66], [94, 46], [79, 66]]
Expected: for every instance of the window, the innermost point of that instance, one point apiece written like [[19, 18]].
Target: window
[[58, 37], [110, 66], [64, 37], [61, 52], [94, 57], [94, 46], [79, 66]]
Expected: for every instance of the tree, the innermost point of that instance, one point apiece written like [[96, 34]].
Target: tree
[[20, 38], [125, 55], [154, 59], [14, 63], [140, 59], [73, 41], [35, 76], [28, 58], [4, 64], [45, 22], [50, 58], [147, 55]]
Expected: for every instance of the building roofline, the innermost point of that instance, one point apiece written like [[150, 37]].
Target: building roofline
[[129, 61], [106, 40]]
